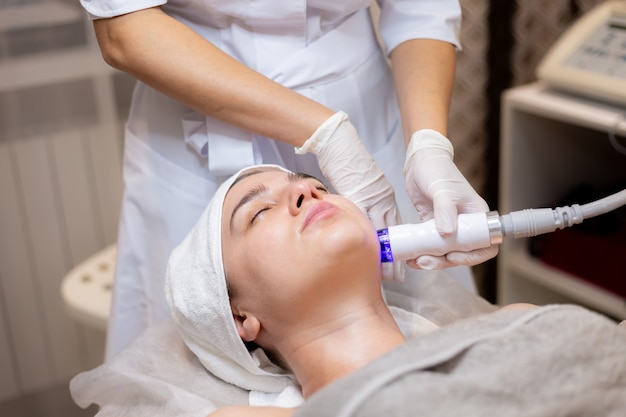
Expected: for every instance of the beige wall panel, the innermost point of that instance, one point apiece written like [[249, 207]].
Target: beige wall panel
[[8, 381], [50, 256], [74, 176], [21, 291], [88, 177], [105, 150], [81, 211]]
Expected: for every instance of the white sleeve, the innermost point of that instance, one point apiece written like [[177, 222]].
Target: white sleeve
[[402, 20], [99, 9]]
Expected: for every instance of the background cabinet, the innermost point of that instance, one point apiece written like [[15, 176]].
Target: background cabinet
[[550, 143]]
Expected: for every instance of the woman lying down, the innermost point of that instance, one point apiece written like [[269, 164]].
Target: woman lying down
[[277, 296]]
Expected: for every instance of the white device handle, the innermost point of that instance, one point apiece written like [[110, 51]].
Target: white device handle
[[409, 241]]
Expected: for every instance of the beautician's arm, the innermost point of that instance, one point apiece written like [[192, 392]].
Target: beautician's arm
[[423, 71], [172, 58]]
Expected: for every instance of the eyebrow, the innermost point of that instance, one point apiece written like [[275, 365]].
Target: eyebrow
[[261, 189], [253, 193]]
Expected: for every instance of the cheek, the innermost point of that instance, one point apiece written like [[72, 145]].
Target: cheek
[[269, 256]]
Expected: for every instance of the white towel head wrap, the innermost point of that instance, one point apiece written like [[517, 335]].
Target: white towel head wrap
[[197, 295]]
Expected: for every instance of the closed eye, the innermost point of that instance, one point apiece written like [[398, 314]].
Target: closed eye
[[322, 188], [259, 213]]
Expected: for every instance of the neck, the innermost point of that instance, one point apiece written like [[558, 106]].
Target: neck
[[328, 352]]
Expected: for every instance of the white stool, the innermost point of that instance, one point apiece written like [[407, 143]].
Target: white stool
[[86, 289]]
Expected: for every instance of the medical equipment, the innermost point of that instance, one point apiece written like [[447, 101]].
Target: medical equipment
[[590, 57], [481, 230]]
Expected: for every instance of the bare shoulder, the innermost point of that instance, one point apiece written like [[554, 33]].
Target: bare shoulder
[[247, 411]]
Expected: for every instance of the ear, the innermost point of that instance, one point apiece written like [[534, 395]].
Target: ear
[[248, 326]]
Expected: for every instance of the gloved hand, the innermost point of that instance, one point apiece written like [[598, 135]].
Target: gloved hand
[[353, 173], [438, 189]]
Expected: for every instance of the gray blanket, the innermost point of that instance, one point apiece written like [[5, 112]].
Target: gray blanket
[[549, 361]]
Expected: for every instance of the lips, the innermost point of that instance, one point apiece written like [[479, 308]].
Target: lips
[[317, 212]]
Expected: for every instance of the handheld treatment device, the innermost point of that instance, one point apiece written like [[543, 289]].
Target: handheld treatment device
[[481, 230]]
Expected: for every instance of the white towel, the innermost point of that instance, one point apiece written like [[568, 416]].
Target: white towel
[[198, 299]]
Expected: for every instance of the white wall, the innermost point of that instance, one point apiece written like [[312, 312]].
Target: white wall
[[60, 189]]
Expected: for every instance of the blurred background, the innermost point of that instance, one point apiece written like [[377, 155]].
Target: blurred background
[[62, 112]]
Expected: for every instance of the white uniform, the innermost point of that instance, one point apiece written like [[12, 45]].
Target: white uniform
[[175, 157]]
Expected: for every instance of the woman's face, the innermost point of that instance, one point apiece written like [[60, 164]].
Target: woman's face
[[288, 244]]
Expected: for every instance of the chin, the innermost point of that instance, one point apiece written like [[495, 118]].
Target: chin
[[353, 242]]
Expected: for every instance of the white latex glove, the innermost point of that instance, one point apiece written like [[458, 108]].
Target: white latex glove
[[438, 189], [353, 173]]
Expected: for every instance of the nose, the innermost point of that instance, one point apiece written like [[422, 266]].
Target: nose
[[299, 193]]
